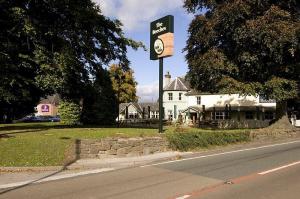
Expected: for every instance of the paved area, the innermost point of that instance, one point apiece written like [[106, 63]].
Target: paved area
[[19, 176]]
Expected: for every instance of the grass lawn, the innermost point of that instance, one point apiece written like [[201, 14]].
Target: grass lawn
[[46, 144]]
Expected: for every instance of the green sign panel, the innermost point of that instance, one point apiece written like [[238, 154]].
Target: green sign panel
[[162, 37]]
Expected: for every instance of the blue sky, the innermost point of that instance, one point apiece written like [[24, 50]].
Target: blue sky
[[136, 16]]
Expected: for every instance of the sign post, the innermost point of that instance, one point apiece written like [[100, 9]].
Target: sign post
[[161, 45]]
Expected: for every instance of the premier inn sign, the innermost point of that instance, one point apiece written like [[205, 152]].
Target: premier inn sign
[[162, 37]]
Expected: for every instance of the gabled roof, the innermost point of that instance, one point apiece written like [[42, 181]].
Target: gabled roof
[[178, 84], [51, 99], [153, 106], [139, 106]]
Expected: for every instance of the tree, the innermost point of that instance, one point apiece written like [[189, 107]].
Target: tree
[[19, 92], [100, 105], [123, 83], [55, 46], [246, 47]]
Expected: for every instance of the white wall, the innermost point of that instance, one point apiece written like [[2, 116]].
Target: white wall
[[169, 105]]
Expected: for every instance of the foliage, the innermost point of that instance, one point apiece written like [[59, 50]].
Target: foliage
[[124, 84], [69, 113], [55, 46], [45, 144], [246, 47], [191, 140], [18, 89], [100, 104]]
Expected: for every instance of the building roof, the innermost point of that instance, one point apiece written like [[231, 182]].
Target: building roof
[[195, 92], [51, 99], [178, 84], [140, 106]]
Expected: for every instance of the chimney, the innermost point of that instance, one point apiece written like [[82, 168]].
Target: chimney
[[167, 79]]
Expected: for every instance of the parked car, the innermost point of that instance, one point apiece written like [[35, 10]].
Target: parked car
[[32, 118], [49, 118]]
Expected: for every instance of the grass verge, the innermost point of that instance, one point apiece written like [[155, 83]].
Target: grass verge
[[46, 144]]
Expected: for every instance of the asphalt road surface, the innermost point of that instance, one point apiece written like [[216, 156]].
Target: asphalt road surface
[[271, 171]]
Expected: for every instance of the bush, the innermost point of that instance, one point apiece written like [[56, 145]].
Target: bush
[[69, 113], [185, 141]]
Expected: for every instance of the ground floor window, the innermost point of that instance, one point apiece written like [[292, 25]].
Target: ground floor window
[[133, 116], [170, 115], [269, 115], [155, 114], [249, 115], [220, 115]]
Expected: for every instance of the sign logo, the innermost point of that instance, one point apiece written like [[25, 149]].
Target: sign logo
[[159, 46], [162, 37], [45, 108]]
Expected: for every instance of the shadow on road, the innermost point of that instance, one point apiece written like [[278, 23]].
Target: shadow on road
[[76, 157]]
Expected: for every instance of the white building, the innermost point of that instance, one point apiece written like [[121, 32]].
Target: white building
[[191, 107], [181, 104], [138, 111], [175, 99]]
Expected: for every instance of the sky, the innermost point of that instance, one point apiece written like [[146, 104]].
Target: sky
[[136, 16]]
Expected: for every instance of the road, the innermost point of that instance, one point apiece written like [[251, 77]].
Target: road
[[271, 171]]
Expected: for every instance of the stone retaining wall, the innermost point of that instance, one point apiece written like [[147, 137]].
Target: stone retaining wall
[[121, 147]]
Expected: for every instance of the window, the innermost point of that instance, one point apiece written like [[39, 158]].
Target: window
[[132, 115], [170, 115], [170, 96], [155, 114], [199, 100], [180, 96], [263, 99], [269, 115], [221, 115], [249, 115]]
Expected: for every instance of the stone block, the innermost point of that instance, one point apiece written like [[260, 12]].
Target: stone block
[[134, 154], [123, 151], [111, 152]]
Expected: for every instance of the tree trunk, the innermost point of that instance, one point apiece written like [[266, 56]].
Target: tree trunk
[[281, 109], [282, 121]]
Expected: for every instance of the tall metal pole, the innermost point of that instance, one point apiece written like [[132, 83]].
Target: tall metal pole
[[161, 70]]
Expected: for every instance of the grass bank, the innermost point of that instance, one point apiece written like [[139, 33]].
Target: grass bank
[[47, 144], [51, 144], [191, 139]]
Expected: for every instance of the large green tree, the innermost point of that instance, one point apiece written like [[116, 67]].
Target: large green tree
[[55, 46], [123, 83], [246, 47]]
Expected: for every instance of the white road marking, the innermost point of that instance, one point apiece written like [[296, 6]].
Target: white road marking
[[278, 168], [52, 178], [218, 154], [184, 197]]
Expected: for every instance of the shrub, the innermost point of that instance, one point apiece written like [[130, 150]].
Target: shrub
[[69, 113], [184, 141]]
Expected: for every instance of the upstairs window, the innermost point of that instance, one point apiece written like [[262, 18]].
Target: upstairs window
[[263, 99], [180, 96], [198, 100], [170, 96]]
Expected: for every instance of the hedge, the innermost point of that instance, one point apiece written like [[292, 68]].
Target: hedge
[[184, 141], [69, 113]]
